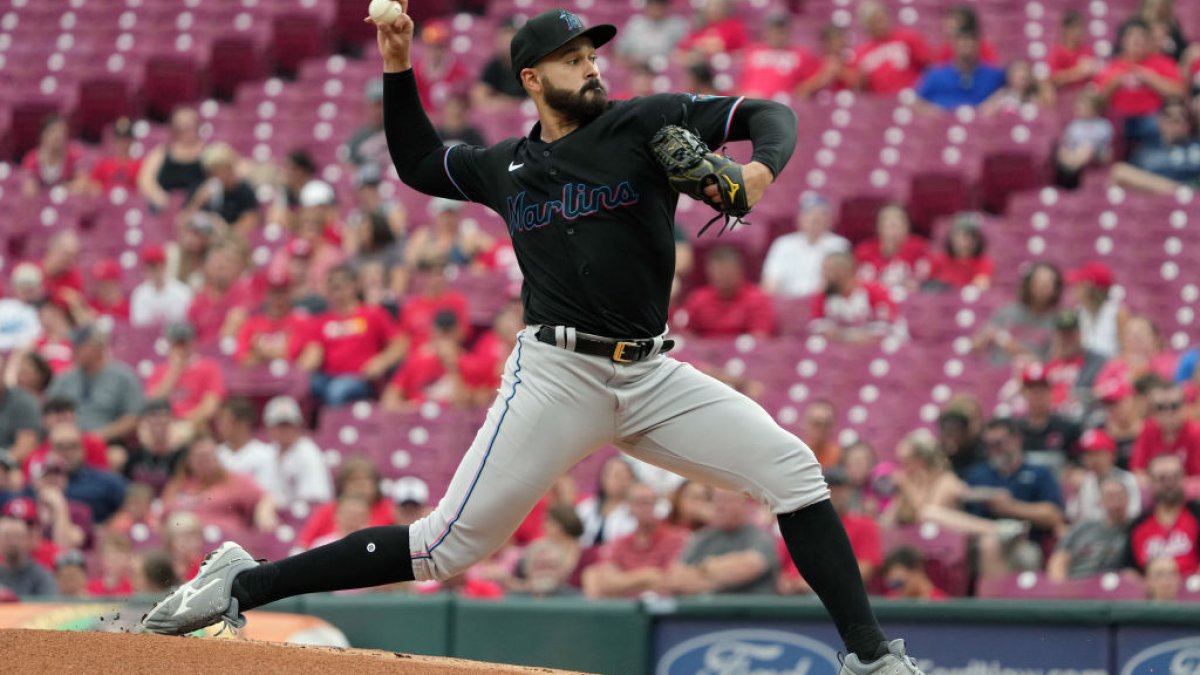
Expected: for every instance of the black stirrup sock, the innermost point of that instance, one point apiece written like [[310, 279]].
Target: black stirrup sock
[[821, 550], [370, 557]]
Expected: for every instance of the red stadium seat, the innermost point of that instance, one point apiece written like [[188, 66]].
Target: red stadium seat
[[235, 59], [856, 217], [101, 102], [933, 195], [1004, 173], [296, 37], [170, 80]]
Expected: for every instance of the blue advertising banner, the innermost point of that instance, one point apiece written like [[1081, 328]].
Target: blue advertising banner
[[701, 647], [1158, 650]]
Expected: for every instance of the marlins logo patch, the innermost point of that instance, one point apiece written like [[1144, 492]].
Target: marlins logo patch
[[573, 22]]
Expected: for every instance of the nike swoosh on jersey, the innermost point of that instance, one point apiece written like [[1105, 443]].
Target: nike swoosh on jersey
[[514, 167], [189, 593]]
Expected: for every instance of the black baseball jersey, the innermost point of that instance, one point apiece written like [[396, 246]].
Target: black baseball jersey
[[590, 215]]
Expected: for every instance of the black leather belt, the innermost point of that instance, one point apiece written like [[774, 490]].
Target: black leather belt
[[621, 351]]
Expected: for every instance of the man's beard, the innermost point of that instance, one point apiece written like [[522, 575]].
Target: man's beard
[[580, 106]]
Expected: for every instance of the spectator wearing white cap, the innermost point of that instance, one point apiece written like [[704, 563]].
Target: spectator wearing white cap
[[444, 241], [793, 265], [19, 322], [303, 475], [161, 298], [316, 244], [411, 495]]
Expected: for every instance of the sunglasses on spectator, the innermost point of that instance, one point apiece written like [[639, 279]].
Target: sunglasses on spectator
[[1168, 406]]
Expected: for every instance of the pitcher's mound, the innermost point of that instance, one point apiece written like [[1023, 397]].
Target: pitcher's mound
[[72, 653]]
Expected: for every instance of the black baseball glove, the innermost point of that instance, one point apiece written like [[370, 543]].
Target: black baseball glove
[[691, 167]]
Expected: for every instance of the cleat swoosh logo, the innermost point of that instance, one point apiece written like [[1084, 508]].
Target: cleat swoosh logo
[[188, 593]]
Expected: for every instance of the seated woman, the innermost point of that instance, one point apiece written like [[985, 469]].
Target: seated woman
[[1021, 86], [174, 166], [927, 491], [1023, 328], [965, 261]]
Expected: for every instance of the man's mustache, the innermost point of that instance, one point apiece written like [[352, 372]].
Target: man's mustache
[[591, 84]]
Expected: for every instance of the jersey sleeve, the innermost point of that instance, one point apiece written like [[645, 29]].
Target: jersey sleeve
[[711, 116], [467, 169]]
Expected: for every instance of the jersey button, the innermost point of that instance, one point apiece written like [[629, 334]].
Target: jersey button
[[545, 153], [587, 271], [570, 230], [553, 172]]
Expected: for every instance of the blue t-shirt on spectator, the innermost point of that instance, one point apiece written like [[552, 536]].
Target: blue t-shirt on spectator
[[1179, 162], [946, 87], [1027, 484]]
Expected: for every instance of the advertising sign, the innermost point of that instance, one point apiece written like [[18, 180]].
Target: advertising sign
[[696, 647]]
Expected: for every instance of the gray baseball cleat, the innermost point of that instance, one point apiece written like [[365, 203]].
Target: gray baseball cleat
[[206, 599], [895, 662]]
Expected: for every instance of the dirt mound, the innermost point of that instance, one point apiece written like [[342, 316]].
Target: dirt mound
[[71, 653]]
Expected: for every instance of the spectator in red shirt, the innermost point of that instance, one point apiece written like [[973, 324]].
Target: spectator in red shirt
[[352, 344], [862, 530], [55, 343], [435, 296], [107, 297], [834, 71], [729, 305], [118, 169], [776, 65], [1138, 81], [635, 563], [219, 308], [904, 576], [1170, 528], [1142, 353], [277, 331], [55, 161], [116, 567], [192, 383], [1072, 61], [850, 309], [1168, 432], [965, 261], [432, 371], [1071, 367], [890, 59], [720, 31], [58, 411], [482, 367], [61, 277], [358, 476], [438, 71], [963, 19], [894, 257]]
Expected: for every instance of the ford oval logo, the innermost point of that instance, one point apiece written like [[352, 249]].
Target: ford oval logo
[[749, 652], [1177, 657]]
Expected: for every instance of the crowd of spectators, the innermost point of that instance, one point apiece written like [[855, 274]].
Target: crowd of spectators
[[1093, 470]]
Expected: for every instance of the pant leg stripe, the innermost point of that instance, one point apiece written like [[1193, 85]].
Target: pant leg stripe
[[478, 472]]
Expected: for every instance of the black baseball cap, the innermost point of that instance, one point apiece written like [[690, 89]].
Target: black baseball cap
[[547, 32]]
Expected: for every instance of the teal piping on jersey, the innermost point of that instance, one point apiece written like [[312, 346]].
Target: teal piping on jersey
[[728, 120], [478, 472], [446, 166]]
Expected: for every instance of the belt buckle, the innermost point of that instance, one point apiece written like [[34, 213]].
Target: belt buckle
[[618, 354]]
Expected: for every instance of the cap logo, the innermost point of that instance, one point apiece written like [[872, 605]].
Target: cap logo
[[573, 22]]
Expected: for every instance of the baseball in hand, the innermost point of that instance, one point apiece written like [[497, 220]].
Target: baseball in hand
[[384, 11]]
